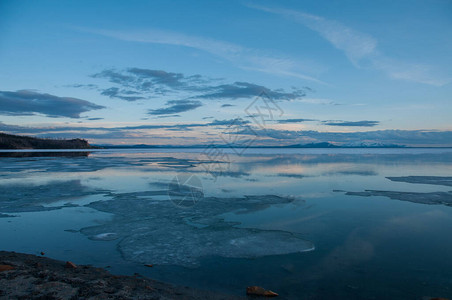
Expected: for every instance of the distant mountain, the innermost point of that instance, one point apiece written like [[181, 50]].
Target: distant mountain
[[314, 145], [350, 145], [11, 142], [371, 145], [310, 145], [107, 146]]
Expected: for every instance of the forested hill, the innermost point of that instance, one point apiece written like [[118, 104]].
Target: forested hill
[[9, 141]]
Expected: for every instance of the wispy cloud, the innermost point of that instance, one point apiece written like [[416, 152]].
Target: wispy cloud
[[352, 123], [243, 57], [227, 105], [360, 48], [415, 72], [26, 103], [399, 137], [81, 129], [354, 44], [176, 106], [151, 82], [288, 121], [229, 122], [115, 92], [137, 84], [318, 101], [249, 90], [268, 136]]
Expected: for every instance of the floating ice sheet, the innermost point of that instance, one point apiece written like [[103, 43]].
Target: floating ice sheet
[[158, 232], [107, 236], [32, 198], [444, 198], [184, 245], [435, 180]]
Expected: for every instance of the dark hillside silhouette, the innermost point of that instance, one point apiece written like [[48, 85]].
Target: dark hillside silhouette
[[9, 141]]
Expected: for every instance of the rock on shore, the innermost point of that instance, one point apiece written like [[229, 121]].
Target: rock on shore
[[25, 276]]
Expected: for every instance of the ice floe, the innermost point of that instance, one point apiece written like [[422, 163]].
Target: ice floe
[[435, 180], [158, 232], [444, 198]]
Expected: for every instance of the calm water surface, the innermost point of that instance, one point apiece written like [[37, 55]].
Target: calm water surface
[[306, 223]]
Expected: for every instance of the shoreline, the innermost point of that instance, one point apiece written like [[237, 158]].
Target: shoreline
[[30, 276]]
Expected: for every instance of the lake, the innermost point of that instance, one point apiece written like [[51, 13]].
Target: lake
[[305, 223]]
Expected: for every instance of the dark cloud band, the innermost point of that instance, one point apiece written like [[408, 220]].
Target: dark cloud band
[[25, 103], [147, 83], [352, 124], [175, 107]]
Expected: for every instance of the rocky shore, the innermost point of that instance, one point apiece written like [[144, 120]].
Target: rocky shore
[[14, 142], [25, 276]]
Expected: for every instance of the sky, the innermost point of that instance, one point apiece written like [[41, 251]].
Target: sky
[[228, 72]]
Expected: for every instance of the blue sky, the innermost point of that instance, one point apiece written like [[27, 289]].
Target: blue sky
[[178, 72]]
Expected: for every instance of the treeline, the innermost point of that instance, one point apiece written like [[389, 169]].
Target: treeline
[[9, 141]]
